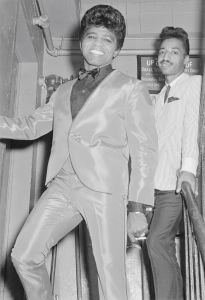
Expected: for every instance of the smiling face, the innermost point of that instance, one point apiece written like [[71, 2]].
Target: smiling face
[[99, 47], [172, 58]]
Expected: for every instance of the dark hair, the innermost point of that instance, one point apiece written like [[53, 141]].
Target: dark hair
[[175, 32], [105, 16]]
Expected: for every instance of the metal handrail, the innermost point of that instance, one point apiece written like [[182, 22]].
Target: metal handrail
[[194, 246], [195, 217]]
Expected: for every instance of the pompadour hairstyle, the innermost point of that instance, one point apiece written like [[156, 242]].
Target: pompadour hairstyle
[[104, 16], [175, 32]]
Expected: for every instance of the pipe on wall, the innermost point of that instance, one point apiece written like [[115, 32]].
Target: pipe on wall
[[43, 22]]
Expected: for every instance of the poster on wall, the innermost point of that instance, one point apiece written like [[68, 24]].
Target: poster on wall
[[149, 72]]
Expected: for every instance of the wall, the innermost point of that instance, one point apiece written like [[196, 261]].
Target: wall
[[21, 56], [8, 71]]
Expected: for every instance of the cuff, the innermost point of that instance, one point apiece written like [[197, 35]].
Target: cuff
[[189, 165], [138, 207]]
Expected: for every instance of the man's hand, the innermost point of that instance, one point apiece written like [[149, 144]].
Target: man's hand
[[136, 225], [188, 177]]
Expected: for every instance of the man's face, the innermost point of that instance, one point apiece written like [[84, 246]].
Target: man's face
[[172, 58], [99, 47]]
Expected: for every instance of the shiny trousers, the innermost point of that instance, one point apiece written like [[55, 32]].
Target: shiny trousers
[[60, 209], [161, 246]]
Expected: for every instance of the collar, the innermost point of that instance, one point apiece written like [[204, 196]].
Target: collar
[[172, 83]]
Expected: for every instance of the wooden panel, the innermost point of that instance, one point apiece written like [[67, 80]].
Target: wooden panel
[[35, 33], [188, 15], [8, 10], [64, 17], [24, 47], [154, 16], [18, 96], [133, 18]]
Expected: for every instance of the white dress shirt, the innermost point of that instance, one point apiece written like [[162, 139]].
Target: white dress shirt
[[177, 128]]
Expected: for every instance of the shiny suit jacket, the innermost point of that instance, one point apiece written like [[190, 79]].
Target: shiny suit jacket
[[115, 123]]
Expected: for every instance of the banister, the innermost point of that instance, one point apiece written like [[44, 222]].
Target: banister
[[195, 217]]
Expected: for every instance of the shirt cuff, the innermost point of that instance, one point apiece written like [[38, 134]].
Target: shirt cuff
[[189, 165], [133, 206]]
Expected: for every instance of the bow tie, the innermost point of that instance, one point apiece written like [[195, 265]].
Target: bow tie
[[83, 73]]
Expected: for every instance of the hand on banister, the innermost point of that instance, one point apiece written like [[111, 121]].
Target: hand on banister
[[185, 176]]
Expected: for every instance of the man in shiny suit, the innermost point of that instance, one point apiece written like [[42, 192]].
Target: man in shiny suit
[[99, 120], [177, 114]]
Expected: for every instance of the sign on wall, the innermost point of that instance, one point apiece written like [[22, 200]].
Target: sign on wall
[[149, 72]]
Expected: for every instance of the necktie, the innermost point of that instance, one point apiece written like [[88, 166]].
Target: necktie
[[167, 93], [83, 73]]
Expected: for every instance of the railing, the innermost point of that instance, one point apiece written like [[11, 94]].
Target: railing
[[194, 246]]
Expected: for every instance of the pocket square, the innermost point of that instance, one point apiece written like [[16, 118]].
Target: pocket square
[[171, 99]]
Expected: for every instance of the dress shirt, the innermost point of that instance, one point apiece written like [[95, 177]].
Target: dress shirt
[[177, 128], [84, 87]]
